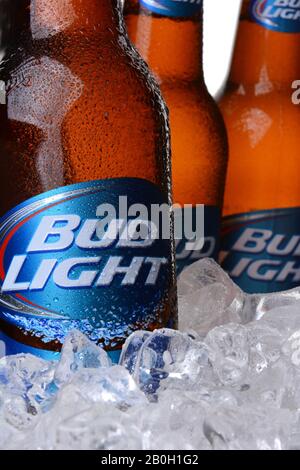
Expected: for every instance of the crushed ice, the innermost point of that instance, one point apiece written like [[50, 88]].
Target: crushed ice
[[229, 379]]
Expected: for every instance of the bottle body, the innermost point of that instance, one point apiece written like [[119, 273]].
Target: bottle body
[[169, 38], [261, 230], [71, 143]]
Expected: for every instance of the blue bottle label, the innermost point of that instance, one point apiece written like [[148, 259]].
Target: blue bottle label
[[277, 15], [261, 250], [188, 252], [58, 273], [173, 8]]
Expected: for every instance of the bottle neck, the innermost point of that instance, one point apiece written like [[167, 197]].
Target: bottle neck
[[266, 54], [172, 46], [44, 19]]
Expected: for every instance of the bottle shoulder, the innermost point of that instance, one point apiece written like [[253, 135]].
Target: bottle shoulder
[[96, 52], [112, 71]]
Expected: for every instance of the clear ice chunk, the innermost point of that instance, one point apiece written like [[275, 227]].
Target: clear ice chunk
[[79, 353], [263, 304], [23, 391], [131, 349], [229, 353], [207, 298], [19, 373], [169, 358], [111, 385]]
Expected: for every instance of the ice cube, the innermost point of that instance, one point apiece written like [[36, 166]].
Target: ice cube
[[265, 341], [79, 353], [263, 304], [284, 319], [131, 349], [208, 298], [170, 359], [203, 273], [19, 412], [291, 348], [20, 373], [110, 385], [229, 353], [23, 384]]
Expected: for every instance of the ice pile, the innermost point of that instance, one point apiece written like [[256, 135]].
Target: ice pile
[[230, 379]]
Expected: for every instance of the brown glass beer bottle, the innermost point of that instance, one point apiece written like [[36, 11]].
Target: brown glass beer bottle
[[261, 233], [168, 35], [83, 131]]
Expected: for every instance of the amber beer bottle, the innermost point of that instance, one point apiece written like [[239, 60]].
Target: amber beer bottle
[[261, 233], [168, 35], [82, 126]]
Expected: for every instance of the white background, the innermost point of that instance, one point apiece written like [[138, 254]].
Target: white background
[[220, 21]]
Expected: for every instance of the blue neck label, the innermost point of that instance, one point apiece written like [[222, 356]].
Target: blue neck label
[[261, 250], [57, 273], [173, 8], [278, 15]]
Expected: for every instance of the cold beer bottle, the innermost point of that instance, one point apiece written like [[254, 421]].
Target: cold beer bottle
[[84, 155], [168, 35], [261, 233]]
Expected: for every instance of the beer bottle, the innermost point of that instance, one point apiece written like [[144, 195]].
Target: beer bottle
[[84, 150], [168, 35], [261, 233]]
